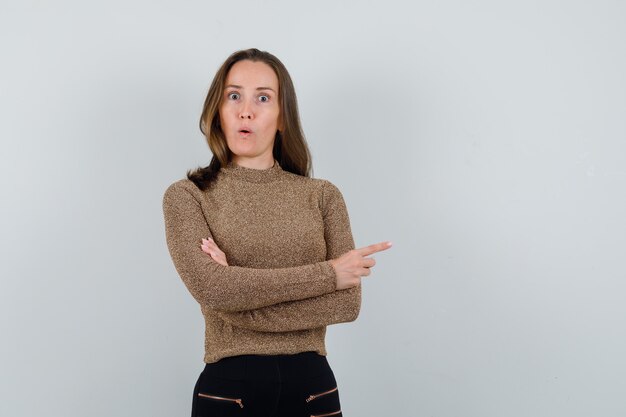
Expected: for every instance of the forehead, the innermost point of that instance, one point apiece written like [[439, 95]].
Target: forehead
[[252, 74]]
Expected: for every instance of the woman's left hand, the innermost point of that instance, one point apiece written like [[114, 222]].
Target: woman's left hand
[[210, 248]]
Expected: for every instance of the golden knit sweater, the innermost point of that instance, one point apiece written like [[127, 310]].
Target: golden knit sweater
[[278, 230]]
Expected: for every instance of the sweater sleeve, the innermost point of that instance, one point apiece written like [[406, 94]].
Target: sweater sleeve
[[318, 311], [231, 288]]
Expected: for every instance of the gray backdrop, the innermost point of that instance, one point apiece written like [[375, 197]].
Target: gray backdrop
[[485, 139]]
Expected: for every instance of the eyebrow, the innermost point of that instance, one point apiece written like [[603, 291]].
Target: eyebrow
[[258, 88]]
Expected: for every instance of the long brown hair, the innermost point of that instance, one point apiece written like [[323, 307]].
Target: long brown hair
[[290, 147]]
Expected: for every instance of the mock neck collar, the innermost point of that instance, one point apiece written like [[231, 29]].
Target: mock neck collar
[[251, 174]]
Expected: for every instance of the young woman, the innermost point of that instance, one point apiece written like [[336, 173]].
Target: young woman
[[265, 249]]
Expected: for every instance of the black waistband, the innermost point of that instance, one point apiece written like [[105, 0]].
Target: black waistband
[[278, 368]]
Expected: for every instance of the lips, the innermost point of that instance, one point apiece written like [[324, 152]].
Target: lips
[[245, 130]]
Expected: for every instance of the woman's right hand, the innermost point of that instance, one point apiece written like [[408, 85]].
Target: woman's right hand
[[353, 265]]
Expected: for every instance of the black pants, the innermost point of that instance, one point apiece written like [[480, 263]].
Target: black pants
[[267, 386]]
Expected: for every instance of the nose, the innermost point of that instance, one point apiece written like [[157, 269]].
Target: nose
[[245, 112]]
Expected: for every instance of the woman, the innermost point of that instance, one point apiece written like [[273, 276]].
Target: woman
[[265, 250]]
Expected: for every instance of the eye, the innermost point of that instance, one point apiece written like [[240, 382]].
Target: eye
[[264, 98], [233, 96]]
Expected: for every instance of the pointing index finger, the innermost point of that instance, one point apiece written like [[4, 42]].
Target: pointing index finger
[[376, 247]]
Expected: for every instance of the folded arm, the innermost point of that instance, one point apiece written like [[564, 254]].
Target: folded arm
[[318, 311], [339, 307], [231, 288]]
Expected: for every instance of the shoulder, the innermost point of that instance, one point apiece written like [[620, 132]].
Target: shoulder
[[319, 184], [182, 189], [331, 194], [329, 187], [323, 188], [328, 193]]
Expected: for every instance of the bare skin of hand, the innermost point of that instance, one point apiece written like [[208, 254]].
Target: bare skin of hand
[[353, 265], [210, 248], [349, 267]]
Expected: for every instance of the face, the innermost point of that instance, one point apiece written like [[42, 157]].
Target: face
[[249, 113]]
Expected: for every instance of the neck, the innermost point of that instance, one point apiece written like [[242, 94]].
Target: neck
[[254, 163]]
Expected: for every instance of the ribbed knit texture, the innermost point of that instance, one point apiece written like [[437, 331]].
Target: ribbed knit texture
[[278, 231]]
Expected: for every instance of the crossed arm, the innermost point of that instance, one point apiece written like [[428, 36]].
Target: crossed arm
[[270, 300], [318, 311]]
